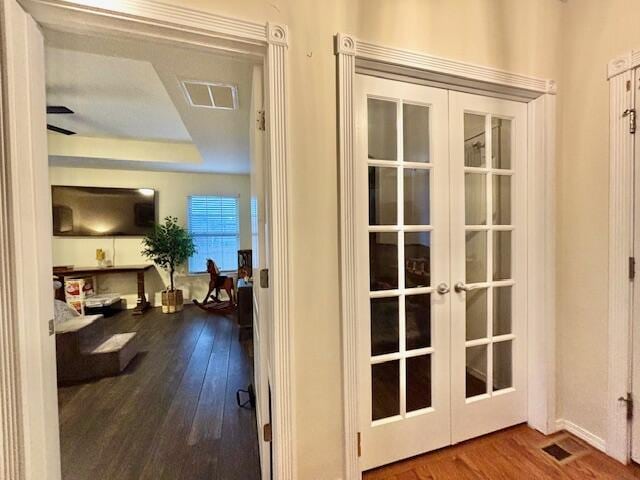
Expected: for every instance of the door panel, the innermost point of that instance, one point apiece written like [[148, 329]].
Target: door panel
[[402, 150], [441, 183], [488, 244]]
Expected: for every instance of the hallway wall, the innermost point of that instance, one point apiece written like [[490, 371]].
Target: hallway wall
[[594, 32]]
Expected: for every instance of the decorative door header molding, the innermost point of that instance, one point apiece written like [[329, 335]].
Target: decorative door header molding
[[622, 63], [349, 45]]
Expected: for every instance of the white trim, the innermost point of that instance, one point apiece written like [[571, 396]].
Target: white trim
[[582, 433], [432, 63], [266, 42], [621, 196], [541, 324], [622, 63], [541, 300]]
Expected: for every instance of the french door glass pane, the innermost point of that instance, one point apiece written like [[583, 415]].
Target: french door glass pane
[[501, 310], [418, 382], [385, 389], [415, 119], [476, 379], [476, 314], [384, 326], [474, 140], [383, 260], [418, 321], [501, 200], [475, 199], [383, 136], [417, 259], [502, 365], [416, 197], [501, 255], [501, 143], [476, 256], [383, 196]]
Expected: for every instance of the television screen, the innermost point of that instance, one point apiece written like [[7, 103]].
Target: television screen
[[98, 211]]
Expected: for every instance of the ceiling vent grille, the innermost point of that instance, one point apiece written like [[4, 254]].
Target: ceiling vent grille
[[220, 96]]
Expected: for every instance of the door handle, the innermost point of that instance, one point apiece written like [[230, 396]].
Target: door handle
[[462, 287], [443, 288]]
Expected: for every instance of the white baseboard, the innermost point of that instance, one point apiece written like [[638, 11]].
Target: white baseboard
[[583, 434]]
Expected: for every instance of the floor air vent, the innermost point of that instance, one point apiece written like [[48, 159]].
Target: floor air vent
[[564, 449]]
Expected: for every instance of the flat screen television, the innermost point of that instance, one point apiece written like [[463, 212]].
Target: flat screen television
[[102, 212]]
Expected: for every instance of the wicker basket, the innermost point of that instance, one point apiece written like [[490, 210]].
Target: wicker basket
[[172, 301]]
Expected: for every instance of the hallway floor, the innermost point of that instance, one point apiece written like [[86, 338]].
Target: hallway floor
[[172, 414], [514, 453]]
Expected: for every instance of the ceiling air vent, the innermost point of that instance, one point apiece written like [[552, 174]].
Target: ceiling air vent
[[211, 95]]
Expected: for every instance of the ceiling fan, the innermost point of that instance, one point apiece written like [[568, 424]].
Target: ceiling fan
[[59, 110]]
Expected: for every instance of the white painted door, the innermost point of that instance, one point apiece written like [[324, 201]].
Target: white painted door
[[436, 365], [488, 264], [403, 190]]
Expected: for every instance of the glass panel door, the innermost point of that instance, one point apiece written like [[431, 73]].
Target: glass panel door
[[488, 261], [402, 148]]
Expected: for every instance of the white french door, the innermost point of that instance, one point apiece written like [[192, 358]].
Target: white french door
[[442, 230]]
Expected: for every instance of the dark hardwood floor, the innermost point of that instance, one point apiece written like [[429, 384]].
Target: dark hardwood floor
[[511, 454], [172, 414]]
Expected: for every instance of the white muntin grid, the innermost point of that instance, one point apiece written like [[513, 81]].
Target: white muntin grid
[[491, 174], [399, 228]]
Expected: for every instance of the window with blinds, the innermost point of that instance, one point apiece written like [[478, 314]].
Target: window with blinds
[[215, 226]]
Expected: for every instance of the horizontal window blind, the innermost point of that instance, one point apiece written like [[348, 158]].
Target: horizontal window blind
[[215, 226]]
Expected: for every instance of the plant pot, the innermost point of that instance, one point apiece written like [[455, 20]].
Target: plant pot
[[172, 301]]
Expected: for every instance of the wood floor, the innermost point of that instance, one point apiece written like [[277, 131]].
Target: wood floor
[[172, 414], [514, 453]]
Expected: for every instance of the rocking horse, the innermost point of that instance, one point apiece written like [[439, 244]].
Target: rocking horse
[[212, 302]]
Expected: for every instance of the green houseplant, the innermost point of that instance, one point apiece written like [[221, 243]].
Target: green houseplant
[[169, 246]]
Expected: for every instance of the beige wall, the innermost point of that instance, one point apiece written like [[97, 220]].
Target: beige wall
[[172, 190], [521, 36], [594, 33]]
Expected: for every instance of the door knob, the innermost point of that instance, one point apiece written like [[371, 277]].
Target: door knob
[[462, 287], [443, 288]]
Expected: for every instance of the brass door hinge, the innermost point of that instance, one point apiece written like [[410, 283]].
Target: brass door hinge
[[631, 113], [359, 444], [628, 400], [52, 328], [267, 433], [261, 121], [632, 268], [264, 278]]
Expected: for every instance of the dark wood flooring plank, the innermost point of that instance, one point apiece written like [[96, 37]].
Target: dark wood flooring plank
[[167, 454], [206, 428], [238, 458], [114, 428]]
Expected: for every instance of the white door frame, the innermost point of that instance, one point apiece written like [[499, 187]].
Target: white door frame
[[622, 311], [267, 42], [540, 97]]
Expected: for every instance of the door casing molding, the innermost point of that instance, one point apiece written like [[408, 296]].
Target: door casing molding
[[267, 43], [622, 86], [540, 210]]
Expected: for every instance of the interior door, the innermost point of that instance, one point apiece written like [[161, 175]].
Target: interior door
[[488, 264], [403, 228]]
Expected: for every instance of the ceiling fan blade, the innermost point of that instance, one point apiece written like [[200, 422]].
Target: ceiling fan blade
[[58, 109], [63, 131]]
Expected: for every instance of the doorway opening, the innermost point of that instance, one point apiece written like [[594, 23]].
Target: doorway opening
[[140, 134], [162, 126]]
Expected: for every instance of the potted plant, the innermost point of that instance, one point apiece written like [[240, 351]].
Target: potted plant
[[169, 246]]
